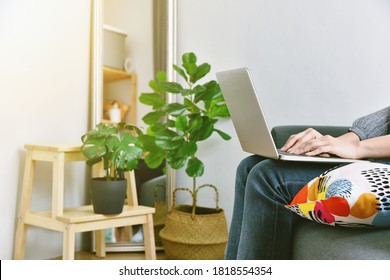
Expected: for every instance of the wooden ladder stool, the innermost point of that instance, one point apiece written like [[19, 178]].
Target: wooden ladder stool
[[74, 220]]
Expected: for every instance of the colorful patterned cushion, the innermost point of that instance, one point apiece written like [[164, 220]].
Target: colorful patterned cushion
[[356, 194]]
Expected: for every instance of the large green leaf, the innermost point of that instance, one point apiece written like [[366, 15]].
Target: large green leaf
[[188, 149], [218, 110], [153, 117], [102, 130], [94, 149], [149, 143], [152, 129], [189, 62], [204, 131], [181, 72], [191, 106], [126, 154], [175, 161], [126, 157], [196, 90], [195, 123], [112, 142], [127, 127], [223, 134], [171, 87], [175, 109], [161, 76], [170, 123], [154, 86], [152, 99], [154, 160], [195, 168], [168, 139], [181, 123], [154, 154], [201, 71], [189, 58], [212, 91]]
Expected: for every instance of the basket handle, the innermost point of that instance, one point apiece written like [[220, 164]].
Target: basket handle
[[194, 196]]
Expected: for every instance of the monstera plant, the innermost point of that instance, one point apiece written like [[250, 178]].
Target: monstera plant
[[119, 148], [114, 144], [173, 133]]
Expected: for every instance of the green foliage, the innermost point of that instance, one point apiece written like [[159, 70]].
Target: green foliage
[[117, 145], [175, 129]]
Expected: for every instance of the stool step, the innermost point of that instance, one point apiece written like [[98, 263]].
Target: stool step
[[54, 148], [85, 214]]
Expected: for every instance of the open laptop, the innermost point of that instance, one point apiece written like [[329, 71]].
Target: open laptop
[[249, 120]]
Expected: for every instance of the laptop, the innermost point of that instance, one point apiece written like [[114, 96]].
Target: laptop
[[250, 122]]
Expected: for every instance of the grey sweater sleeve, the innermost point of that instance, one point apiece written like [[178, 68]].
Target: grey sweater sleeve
[[373, 125]]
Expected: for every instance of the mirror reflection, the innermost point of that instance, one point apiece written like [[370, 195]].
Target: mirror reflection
[[134, 46]]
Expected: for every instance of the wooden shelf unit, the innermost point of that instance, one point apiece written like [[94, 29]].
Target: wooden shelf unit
[[113, 75], [80, 219]]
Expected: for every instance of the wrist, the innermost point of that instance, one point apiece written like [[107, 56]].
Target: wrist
[[366, 149], [350, 137], [360, 150]]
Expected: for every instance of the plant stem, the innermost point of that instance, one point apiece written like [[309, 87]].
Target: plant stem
[[194, 194]]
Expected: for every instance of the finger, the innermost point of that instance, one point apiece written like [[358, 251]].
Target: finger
[[317, 148], [325, 155], [304, 143], [290, 142], [296, 140], [311, 146]]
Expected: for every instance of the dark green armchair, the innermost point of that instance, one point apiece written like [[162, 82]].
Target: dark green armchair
[[317, 241]]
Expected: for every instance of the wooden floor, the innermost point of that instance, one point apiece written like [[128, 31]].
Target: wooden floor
[[114, 256]]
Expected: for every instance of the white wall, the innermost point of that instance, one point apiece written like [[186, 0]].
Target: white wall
[[44, 68], [313, 62]]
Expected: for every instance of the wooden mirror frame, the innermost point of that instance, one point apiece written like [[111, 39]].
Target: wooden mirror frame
[[96, 72]]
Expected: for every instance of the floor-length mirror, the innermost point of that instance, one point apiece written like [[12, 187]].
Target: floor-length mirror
[[132, 40]]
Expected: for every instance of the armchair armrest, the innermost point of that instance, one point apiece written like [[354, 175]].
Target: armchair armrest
[[282, 133]]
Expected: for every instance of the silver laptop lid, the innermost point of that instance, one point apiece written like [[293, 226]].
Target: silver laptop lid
[[246, 112]]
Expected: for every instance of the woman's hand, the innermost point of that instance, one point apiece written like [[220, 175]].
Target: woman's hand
[[328, 145], [312, 143], [296, 141]]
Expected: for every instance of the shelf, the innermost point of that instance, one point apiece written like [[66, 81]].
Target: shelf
[[85, 213], [112, 75]]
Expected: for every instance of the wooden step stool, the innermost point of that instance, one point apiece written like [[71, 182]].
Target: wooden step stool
[[73, 220]]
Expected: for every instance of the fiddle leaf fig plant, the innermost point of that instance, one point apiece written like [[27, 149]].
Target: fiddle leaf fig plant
[[117, 145], [174, 129]]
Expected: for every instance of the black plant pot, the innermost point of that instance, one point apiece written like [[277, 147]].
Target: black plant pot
[[108, 197]]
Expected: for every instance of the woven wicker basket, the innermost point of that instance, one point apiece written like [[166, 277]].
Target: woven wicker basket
[[194, 233]]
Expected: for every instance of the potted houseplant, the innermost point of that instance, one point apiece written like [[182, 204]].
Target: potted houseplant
[[173, 133], [119, 148]]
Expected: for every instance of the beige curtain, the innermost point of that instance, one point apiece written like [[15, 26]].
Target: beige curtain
[[160, 25]]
